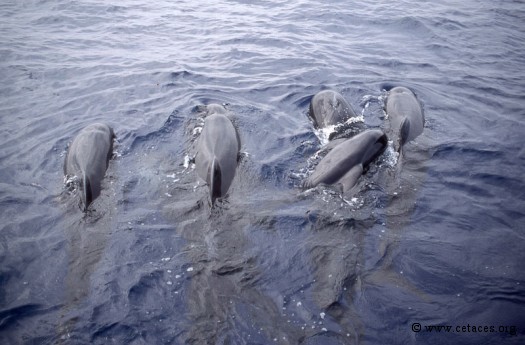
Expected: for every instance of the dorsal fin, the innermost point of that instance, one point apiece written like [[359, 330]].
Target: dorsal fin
[[215, 180], [86, 194], [349, 180], [404, 132]]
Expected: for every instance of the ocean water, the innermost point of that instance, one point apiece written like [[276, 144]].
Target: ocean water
[[435, 238]]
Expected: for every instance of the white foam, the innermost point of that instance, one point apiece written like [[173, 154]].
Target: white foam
[[390, 155], [354, 119], [71, 180], [354, 202], [186, 163], [197, 130], [324, 134]]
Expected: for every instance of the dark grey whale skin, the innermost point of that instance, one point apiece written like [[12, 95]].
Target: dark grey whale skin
[[405, 114], [347, 161], [328, 108], [88, 158], [217, 151]]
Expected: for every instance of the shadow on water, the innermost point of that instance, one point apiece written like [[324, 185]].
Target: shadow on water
[[87, 235], [59, 267], [223, 297], [248, 279]]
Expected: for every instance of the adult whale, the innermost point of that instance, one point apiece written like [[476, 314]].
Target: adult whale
[[347, 161], [217, 151], [328, 108], [88, 158], [405, 114]]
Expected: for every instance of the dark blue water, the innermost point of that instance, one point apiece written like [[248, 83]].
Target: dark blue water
[[436, 239]]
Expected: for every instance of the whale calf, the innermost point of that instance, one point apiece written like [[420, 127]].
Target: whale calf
[[217, 151], [405, 114], [328, 108], [347, 161], [88, 158]]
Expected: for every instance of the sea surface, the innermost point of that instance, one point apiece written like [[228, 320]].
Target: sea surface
[[433, 238]]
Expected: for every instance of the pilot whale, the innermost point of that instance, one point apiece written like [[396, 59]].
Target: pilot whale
[[88, 158], [217, 151], [405, 114], [328, 108], [347, 161]]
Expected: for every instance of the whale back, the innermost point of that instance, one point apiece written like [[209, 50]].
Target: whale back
[[405, 115], [217, 153], [328, 108], [348, 160], [88, 158]]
